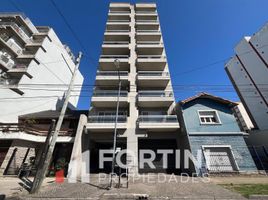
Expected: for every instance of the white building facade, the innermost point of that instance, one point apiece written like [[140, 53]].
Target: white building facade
[[35, 69], [146, 118], [35, 72], [248, 71]]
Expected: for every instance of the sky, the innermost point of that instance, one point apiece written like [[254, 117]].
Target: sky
[[199, 36]]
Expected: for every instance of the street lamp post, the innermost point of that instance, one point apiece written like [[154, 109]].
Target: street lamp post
[[117, 65]]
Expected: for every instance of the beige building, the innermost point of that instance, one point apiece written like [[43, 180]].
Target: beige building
[[146, 112]]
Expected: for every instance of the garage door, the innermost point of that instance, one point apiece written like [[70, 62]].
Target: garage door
[[219, 159], [158, 144]]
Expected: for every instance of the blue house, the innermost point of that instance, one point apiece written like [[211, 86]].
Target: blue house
[[210, 131]]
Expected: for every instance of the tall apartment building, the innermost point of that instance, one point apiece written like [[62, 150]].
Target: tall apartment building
[[248, 71], [146, 112], [35, 68]]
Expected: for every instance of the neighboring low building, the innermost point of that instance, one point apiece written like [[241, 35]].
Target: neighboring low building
[[19, 142], [208, 126]]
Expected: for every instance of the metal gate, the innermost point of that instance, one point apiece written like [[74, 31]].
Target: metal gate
[[219, 159]]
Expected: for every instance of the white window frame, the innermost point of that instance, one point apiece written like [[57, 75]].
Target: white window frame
[[211, 123]]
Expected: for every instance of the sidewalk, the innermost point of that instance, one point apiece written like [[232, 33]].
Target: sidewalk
[[11, 186], [196, 189]]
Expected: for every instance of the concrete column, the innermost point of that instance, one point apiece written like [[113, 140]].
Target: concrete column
[[132, 139], [75, 169]]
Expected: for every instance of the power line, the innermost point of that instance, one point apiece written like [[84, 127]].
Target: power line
[[71, 29]]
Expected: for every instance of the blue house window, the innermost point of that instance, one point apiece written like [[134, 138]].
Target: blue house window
[[209, 117]]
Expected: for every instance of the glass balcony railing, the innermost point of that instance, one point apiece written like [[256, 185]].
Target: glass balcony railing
[[112, 73], [158, 118], [119, 12], [149, 42], [107, 119], [116, 42], [118, 20], [152, 56], [147, 31], [147, 21], [155, 94], [146, 12], [153, 73], [114, 56], [109, 93], [116, 31]]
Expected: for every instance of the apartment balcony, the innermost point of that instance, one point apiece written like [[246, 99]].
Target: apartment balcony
[[111, 78], [108, 98], [11, 46], [143, 15], [18, 71], [12, 84], [118, 27], [14, 28], [5, 62], [147, 22], [42, 33], [149, 47], [106, 123], [12, 129], [158, 122], [145, 7], [148, 35], [155, 98], [114, 37], [119, 15], [151, 25], [115, 47], [106, 62], [118, 22], [151, 62], [152, 79]]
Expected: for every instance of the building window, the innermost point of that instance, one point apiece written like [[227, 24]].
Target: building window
[[208, 117]]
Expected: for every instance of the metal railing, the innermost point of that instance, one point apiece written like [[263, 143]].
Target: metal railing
[[109, 93], [158, 118], [114, 56], [146, 12], [115, 42], [116, 31], [147, 21], [112, 73], [148, 31], [118, 20], [155, 94], [151, 56], [153, 73], [149, 42], [107, 119], [8, 128], [119, 12]]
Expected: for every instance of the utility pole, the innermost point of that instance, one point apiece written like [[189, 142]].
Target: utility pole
[[117, 65], [40, 176]]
